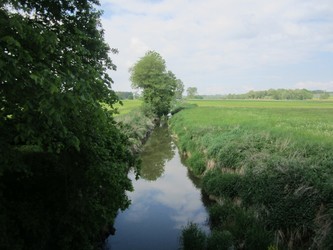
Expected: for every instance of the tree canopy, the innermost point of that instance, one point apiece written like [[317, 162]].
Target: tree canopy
[[158, 84], [63, 161], [191, 92]]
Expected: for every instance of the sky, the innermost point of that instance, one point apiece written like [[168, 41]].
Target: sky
[[225, 46]]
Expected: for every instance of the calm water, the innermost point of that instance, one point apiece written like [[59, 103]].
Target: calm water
[[165, 199]]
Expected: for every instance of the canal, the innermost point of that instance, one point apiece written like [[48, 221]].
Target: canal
[[165, 199]]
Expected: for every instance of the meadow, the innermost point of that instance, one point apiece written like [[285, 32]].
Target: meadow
[[128, 105], [269, 164]]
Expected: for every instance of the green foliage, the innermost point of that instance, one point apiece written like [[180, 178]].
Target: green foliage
[[268, 157], [222, 184], [63, 160], [197, 163], [324, 95], [180, 106], [220, 240], [136, 126], [275, 94], [242, 227], [123, 95], [158, 84], [191, 92], [192, 238], [179, 90]]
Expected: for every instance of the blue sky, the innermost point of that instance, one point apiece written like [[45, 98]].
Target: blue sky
[[225, 46]]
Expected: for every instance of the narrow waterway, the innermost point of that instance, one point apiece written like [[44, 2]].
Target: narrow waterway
[[165, 199]]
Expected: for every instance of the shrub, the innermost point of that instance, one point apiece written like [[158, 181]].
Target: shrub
[[220, 184], [192, 238], [220, 240]]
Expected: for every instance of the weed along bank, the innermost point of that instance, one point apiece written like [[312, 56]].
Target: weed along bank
[[270, 167]]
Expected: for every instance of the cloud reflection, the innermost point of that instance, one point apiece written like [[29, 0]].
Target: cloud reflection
[[173, 190]]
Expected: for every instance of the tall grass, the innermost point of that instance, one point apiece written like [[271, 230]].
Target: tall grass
[[271, 160]]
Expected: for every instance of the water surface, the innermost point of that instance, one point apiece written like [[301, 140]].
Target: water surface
[[164, 200]]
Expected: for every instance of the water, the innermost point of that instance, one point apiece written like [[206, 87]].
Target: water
[[165, 199]]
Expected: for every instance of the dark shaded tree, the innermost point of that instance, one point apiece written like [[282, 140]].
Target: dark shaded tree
[[63, 161]]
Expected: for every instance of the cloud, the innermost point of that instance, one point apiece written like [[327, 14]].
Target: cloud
[[200, 38]]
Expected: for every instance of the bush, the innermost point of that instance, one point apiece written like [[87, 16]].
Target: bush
[[192, 238], [220, 184], [242, 224], [220, 240], [136, 125]]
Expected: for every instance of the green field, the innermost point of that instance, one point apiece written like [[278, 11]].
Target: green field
[[264, 103], [271, 165], [128, 105], [306, 120]]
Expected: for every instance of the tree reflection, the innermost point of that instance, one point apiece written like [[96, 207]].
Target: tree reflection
[[158, 150]]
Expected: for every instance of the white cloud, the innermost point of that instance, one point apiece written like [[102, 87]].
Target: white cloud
[[210, 37]]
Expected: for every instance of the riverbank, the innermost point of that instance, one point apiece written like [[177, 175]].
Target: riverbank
[[137, 127], [269, 167]]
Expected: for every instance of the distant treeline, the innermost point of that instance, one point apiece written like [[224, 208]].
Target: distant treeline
[[125, 95], [271, 94], [275, 94]]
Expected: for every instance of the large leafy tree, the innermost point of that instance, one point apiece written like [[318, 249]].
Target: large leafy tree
[[63, 161], [191, 92], [158, 84]]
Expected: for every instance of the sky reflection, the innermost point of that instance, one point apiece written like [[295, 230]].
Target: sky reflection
[[160, 207]]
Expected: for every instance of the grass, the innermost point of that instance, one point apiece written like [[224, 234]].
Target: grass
[[128, 106], [264, 103], [301, 120], [271, 159]]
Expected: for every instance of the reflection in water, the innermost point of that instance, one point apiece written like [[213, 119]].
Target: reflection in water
[[163, 201], [157, 151]]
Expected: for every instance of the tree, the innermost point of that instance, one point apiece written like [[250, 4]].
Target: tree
[[158, 85], [324, 95], [124, 95], [63, 161], [191, 92], [179, 90]]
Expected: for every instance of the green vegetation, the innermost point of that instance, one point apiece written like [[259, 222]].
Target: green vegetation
[[125, 95], [269, 164], [128, 105], [63, 159], [275, 94], [263, 104], [193, 238], [159, 85], [272, 94], [191, 92], [135, 124]]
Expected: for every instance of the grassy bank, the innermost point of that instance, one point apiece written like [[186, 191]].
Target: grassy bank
[[270, 166], [137, 126]]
